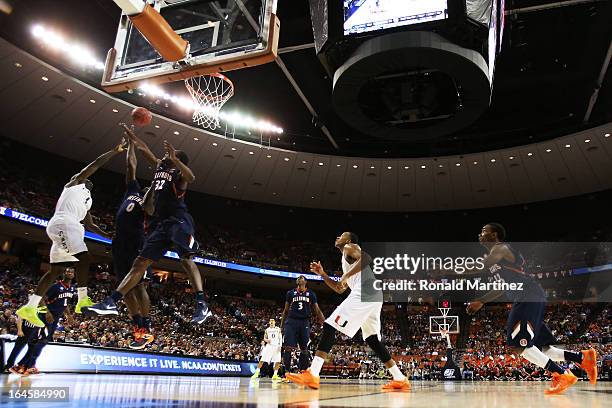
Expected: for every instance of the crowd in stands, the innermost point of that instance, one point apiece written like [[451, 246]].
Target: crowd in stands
[[236, 331]]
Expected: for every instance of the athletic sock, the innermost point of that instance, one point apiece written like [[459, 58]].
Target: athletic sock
[[34, 300], [137, 319], [536, 356], [200, 297], [557, 354], [116, 296], [573, 356], [554, 367], [82, 293], [317, 364], [396, 373], [287, 361]]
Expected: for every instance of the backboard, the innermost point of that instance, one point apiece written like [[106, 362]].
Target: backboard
[[223, 35]]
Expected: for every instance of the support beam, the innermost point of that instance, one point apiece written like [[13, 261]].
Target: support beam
[[296, 48], [598, 84], [549, 6], [310, 108]]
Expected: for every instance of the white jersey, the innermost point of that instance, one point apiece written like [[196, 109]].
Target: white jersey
[[274, 336], [74, 203], [354, 282]]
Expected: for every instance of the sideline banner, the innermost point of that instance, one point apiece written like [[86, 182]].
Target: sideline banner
[[59, 357]]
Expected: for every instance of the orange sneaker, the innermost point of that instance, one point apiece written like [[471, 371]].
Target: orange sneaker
[[395, 385], [561, 382], [589, 364], [304, 378]]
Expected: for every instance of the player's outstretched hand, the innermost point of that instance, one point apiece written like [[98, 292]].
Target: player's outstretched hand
[[316, 267], [170, 150], [121, 146], [474, 307]]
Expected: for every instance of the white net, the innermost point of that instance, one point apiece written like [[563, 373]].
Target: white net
[[209, 94]]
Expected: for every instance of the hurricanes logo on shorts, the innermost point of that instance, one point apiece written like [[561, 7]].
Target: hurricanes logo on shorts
[[338, 321]]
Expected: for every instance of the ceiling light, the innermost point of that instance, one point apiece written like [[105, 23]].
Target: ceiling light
[[268, 156], [286, 159], [529, 154], [303, 161], [157, 127], [423, 166], [44, 78], [320, 163], [233, 149], [355, 166], [73, 51], [115, 110], [18, 65], [548, 150], [567, 146], [68, 90], [371, 167], [338, 165], [511, 157], [251, 153], [440, 166], [176, 132], [196, 138], [492, 160], [607, 135], [214, 143], [587, 140], [406, 167], [475, 162], [92, 100], [389, 167], [457, 164]]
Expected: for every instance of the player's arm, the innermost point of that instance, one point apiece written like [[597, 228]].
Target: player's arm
[[149, 202], [131, 163], [316, 267], [92, 167], [498, 253], [186, 173], [318, 312], [284, 315], [19, 327], [354, 252], [90, 225], [142, 146]]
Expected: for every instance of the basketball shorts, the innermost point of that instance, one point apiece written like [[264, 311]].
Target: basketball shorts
[[297, 332], [271, 354], [353, 314], [124, 253], [67, 239], [174, 233], [526, 326]]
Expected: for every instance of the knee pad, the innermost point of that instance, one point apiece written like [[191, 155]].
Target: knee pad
[[328, 337], [378, 348]]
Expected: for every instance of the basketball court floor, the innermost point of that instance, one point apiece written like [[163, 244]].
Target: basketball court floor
[[109, 391]]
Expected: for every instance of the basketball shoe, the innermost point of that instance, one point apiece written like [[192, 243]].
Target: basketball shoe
[[85, 302], [561, 382], [304, 378], [395, 385], [589, 364], [30, 313]]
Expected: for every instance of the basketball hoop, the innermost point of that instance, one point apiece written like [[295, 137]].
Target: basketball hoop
[[209, 94]]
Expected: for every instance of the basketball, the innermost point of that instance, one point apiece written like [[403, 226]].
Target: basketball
[[141, 116]]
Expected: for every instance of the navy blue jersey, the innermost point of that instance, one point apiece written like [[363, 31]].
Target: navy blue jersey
[[514, 272], [59, 296], [129, 221], [169, 198], [300, 303]]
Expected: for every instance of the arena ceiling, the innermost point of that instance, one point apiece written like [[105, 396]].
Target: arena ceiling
[[52, 110], [553, 55]]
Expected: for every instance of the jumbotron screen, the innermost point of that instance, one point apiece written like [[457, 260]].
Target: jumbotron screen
[[361, 16]]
